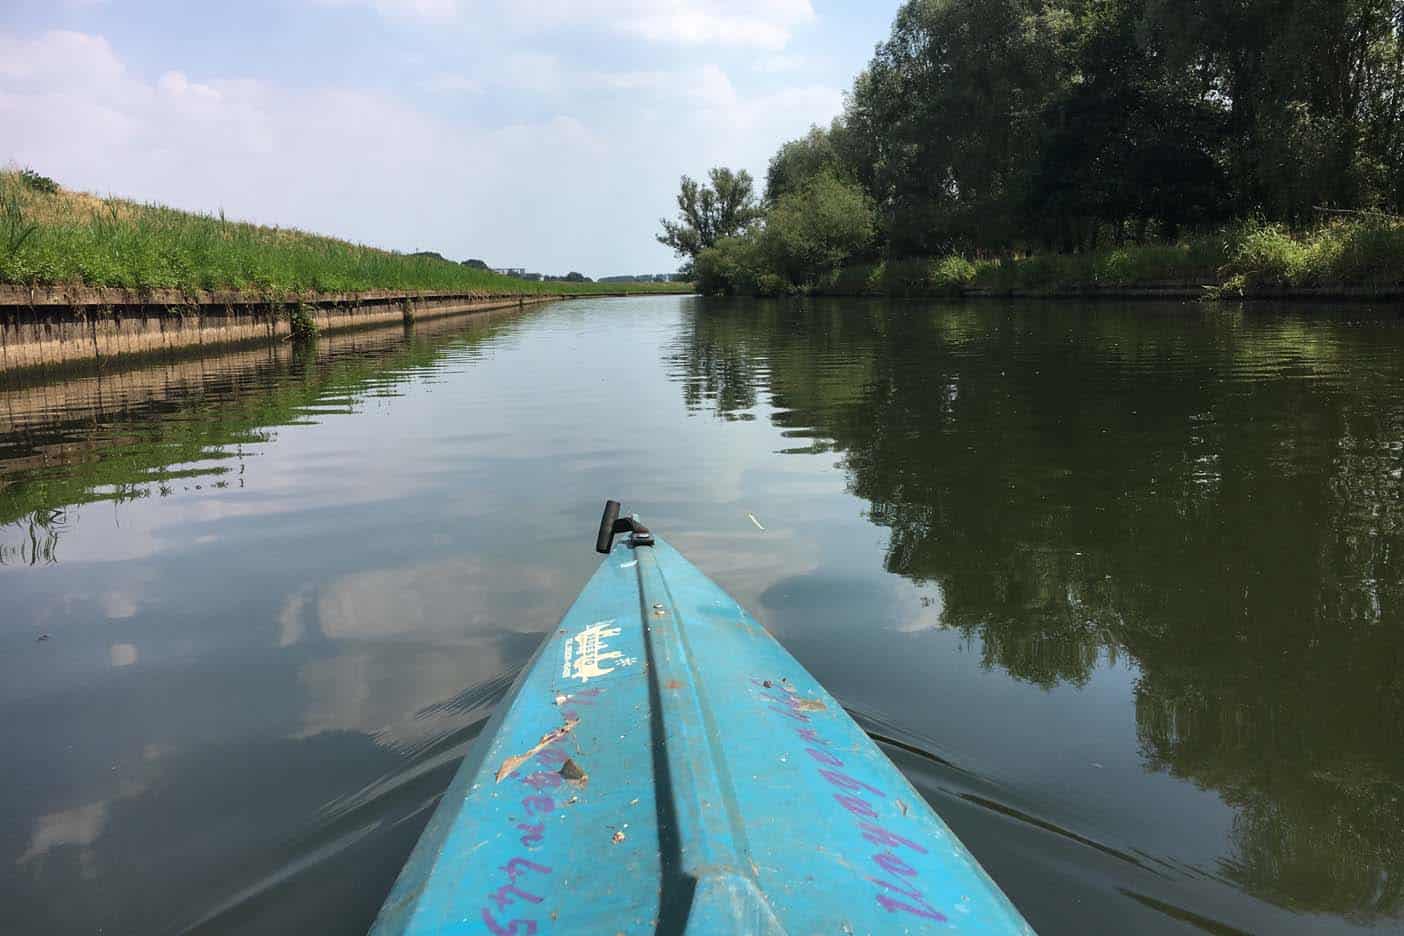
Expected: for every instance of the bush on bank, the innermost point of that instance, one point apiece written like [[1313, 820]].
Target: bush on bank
[[1365, 251]]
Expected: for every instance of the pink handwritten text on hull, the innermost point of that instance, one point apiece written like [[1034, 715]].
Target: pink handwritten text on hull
[[901, 895], [532, 834]]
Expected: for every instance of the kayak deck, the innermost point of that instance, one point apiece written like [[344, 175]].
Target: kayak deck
[[663, 765]]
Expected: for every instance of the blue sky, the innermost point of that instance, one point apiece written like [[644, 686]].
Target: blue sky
[[541, 133]]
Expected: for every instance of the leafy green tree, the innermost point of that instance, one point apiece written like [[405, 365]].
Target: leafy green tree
[[1122, 148], [811, 232], [708, 213], [799, 161], [951, 105], [733, 266], [1003, 126]]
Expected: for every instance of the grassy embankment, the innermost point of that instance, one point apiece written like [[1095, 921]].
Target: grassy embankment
[[53, 237], [1359, 253]]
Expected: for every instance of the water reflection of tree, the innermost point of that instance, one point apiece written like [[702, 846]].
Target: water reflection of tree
[[1221, 502], [36, 539], [157, 433]]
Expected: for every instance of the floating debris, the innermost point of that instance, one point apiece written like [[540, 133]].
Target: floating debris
[[756, 522], [41, 638], [510, 765]]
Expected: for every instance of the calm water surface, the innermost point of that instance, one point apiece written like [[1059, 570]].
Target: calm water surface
[[1125, 585]]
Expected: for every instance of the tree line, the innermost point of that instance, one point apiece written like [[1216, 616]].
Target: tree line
[[996, 127]]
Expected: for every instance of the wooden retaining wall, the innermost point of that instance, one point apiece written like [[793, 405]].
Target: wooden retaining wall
[[56, 416], [51, 327]]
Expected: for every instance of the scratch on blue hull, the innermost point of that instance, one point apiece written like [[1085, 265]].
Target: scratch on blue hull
[[663, 765]]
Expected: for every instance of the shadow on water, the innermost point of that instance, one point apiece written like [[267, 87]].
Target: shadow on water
[[1211, 497]]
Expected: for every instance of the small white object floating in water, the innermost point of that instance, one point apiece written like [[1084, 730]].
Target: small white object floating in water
[[756, 522]]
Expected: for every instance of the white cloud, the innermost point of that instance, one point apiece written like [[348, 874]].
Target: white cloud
[[59, 60], [781, 63], [530, 71], [766, 24], [578, 185], [432, 11], [449, 83]]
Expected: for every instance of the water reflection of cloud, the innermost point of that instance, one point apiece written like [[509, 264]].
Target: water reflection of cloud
[[119, 604], [411, 637], [438, 601], [81, 826], [291, 618]]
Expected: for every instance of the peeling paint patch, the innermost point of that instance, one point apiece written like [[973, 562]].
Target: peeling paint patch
[[548, 739]]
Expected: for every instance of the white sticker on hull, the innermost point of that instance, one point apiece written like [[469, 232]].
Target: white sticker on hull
[[587, 653]]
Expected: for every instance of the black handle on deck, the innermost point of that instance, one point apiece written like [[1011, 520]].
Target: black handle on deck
[[611, 526], [605, 541]]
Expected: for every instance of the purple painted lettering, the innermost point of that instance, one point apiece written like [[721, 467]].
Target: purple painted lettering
[[907, 890], [552, 757], [538, 804], [844, 782], [504, 894], [894, 865], [534, 833], [543, 780], [915, 903], [859, 807], [896, 906], [519, 866], [528, 927], [880, 836]]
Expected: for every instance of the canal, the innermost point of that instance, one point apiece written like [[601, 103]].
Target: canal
[[1122, 587]]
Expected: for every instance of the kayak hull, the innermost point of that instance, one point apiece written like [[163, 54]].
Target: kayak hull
[[664, 765]]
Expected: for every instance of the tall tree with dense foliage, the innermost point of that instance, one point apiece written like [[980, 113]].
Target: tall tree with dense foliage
[[1001, 128], [708, 213]]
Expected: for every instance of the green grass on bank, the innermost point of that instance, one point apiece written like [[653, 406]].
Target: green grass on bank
[[50, 237], [1365, 251]]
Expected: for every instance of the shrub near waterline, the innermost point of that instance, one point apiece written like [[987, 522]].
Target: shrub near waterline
[[1368, 251]]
